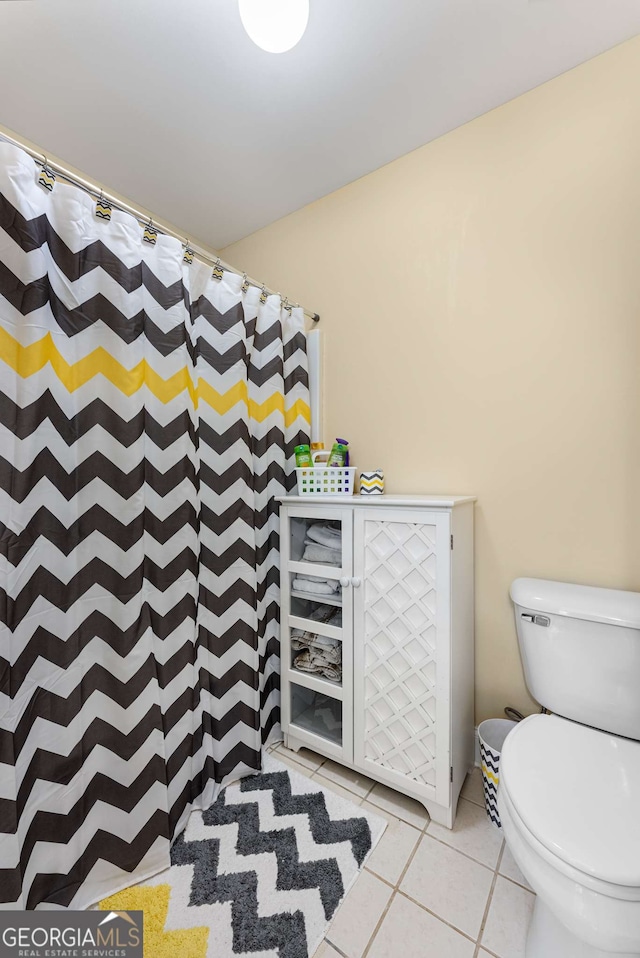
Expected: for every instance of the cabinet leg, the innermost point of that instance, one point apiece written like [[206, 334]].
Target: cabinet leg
[[291, 743], [439, 814]]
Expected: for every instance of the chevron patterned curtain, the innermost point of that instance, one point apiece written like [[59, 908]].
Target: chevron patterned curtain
[[148, 414]]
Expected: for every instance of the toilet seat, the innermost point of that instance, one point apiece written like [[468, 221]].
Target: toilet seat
[[574, 793], [621, 892]]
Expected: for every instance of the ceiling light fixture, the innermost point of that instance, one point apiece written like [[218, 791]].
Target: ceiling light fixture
[[274, 25]]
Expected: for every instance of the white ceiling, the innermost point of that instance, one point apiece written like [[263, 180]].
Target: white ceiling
[[169, 103]]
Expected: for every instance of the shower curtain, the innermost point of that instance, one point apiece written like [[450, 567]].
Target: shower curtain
[[148, 414]]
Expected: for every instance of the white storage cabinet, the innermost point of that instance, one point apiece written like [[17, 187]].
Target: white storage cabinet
[[403, 711]]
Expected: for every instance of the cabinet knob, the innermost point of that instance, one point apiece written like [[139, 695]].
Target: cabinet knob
[[355, 582], [345, 581]]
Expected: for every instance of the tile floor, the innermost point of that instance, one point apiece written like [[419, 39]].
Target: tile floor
[[425, 891]]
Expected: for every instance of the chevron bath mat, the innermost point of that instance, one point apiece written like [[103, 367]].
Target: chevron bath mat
[[259, 874]]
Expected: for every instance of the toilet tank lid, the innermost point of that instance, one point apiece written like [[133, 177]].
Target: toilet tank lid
[[594, 604]]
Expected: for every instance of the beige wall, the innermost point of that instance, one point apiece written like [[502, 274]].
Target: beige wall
[[481, 304]]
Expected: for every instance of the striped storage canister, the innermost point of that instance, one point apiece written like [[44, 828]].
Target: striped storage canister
[[492, 734], [372, 483]]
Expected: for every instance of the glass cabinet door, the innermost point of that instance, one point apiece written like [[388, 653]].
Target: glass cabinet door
[[316, 639], [317, 713], [314, 540]]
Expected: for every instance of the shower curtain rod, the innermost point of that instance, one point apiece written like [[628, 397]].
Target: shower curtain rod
[[144, 219]]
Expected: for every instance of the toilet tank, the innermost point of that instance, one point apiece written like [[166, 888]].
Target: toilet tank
[[580, 649]]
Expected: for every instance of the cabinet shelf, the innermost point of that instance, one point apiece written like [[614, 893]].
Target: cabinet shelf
[[315, 568], [304, 567], [319, 628], [315, 682], [317, 597]]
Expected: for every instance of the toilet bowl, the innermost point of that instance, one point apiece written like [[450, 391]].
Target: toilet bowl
[[569, 803], [569, 794]]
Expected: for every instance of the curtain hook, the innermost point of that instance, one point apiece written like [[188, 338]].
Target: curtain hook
[[188, 253], [245, 283], [218, 271], [150, 234], [103, 209], [46, 177], [263, 294]]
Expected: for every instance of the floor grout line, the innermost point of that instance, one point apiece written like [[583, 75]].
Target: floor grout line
[[444, 921], [379, 924], [517, 883], [390, 816], [489, 900], [335, 948], [440, 841], [396, 889], [384, 881], [330, 781], [371, 788], [408, 863], [291, 755], [396, 814]]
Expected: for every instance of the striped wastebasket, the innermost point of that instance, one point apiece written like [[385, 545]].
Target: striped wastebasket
[[492, 734]]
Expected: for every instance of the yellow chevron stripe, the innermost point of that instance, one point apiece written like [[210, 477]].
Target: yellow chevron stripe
[[490, 775], [223, 402], [27, 360], [299, 408], [153, 901], [371, 483], [31, 359]]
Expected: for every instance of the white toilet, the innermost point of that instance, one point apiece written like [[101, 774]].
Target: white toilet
[[569, 795]]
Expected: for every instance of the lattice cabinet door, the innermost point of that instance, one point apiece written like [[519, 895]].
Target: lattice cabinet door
[[402, 649]]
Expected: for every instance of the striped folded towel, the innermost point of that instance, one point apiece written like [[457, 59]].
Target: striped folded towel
[[309, 661], [330, 649]]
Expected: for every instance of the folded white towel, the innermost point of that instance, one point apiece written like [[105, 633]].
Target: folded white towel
[[314, 552], [325, 535], [323, 587]]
